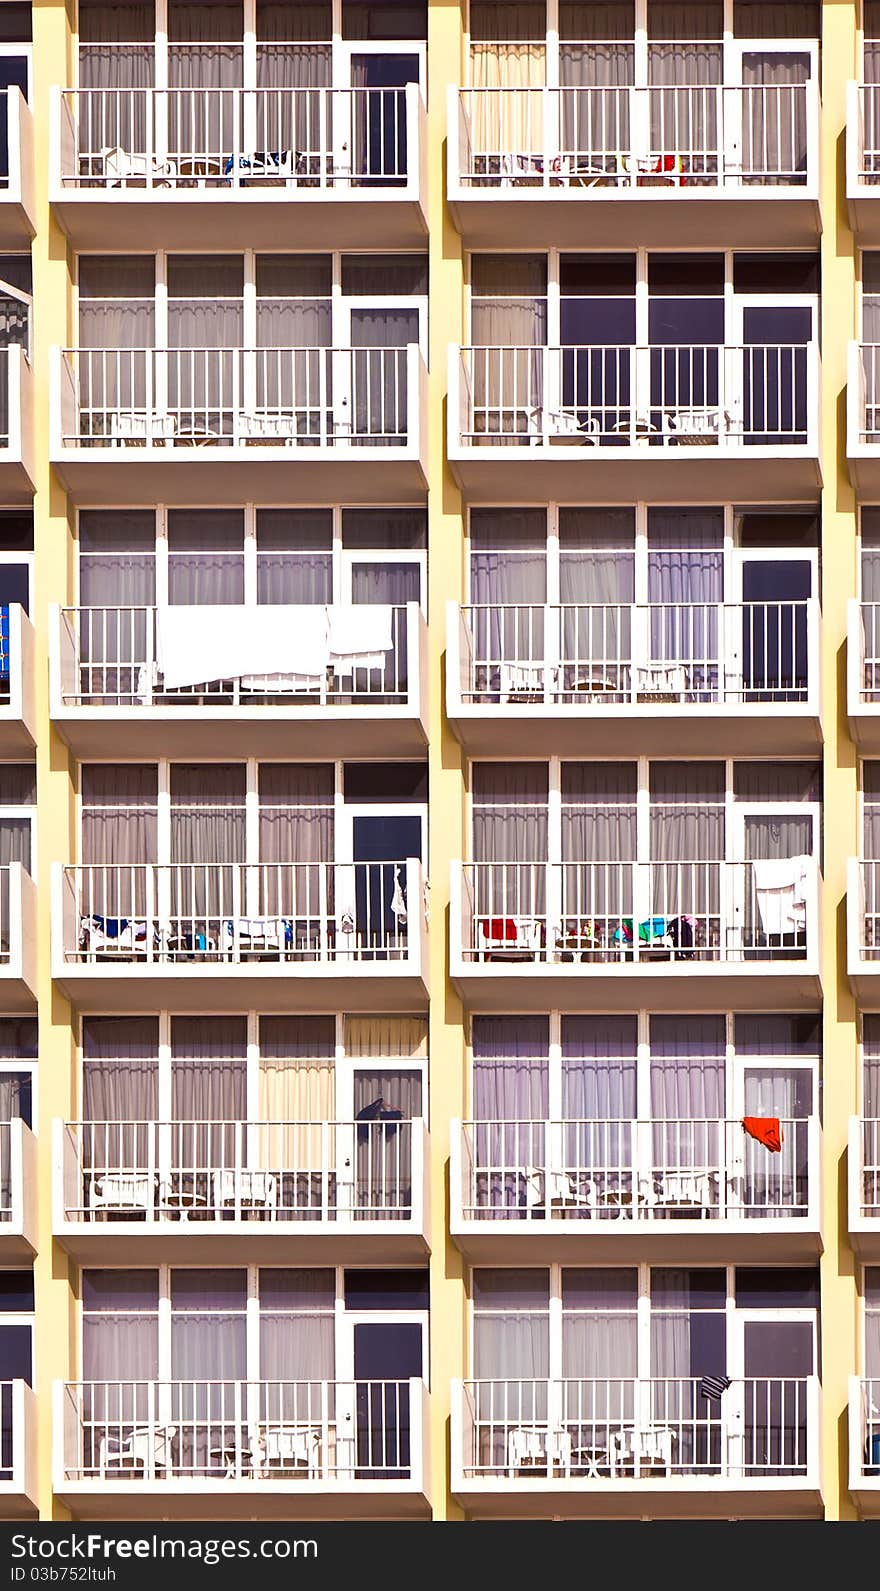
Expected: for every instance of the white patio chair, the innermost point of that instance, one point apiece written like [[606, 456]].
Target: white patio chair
[[122, 1190], [286, 1447], [144, 1446], [562, 428], [119, 167], [700, 426], [135, 425], [245, 1190]]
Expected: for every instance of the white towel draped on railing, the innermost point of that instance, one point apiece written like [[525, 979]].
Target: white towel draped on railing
[[284, 645]]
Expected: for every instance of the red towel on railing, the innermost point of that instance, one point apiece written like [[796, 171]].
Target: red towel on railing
[[767, 1131], [500, 928]]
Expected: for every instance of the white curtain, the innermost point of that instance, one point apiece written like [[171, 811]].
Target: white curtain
[[511, 1355], [120, 1084], [294, 555], [508, 582], [117, 569], [510, 831], [686, 586], [116, 52], [508, 312], [688, 1104], [205, 556]]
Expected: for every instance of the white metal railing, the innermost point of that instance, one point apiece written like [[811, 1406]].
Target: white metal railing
[[864, 1415], [868, 142], [695, 654], [298, 912], [181, 139], [16, 1433], [595, 138], [868, 378], [10, 913], [865, 639], [623, 395], [110, 660], [869, 1157], [868, 909], [221, 1431], [624, 1170], [622, 1428], [604, 913], [234, 397], [267, 1171]]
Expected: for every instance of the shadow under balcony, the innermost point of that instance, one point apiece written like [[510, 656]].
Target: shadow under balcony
[[534, 678], [108, 669], [226, 168], [708, 162], [587, 1192], [204, 1449], [606, 423], [617, 1448], [225, 937], [619, 935], [241, 1192], [210, 426]]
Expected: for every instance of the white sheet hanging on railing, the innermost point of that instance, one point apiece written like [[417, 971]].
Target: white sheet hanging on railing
[[197, 645], [283, 647], [360, 636]]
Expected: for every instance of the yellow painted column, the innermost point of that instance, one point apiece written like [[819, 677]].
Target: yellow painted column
[[839, 1302], [445, 757], [55, 1314]]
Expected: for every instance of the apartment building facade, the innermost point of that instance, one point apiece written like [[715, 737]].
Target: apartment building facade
[[440, 848]]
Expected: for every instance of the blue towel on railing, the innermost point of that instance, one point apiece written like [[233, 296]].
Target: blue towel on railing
[[4, 641]]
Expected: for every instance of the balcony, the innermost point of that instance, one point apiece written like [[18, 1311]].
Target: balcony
[[278, 936], [241, 1192], [17, 202], [863, 419], [704, 162], [863, 161], [863, 674], [863, 1179], [863, 931], [608, 422], [107, 684], [264, 1449], [625, 1448], [17, 455], [531, 1192], [864, 1446], [18, 1194], [619, 935], [18, 939], [18, 1451], [191, 168], [210, 426], [17, 683], [744, 676]]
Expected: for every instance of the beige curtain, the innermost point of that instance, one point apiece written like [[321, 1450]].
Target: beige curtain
[[386, 1037], [506, 125], [296, 1089]]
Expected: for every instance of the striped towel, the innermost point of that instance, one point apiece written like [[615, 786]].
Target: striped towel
[[711, 1387]]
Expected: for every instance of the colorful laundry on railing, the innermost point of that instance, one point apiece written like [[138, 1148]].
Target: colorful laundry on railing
[[4, 643], [116, 933], [766, 1130], [257, 933]]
